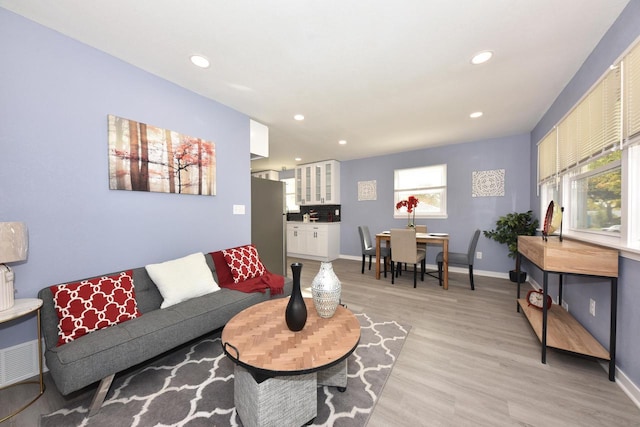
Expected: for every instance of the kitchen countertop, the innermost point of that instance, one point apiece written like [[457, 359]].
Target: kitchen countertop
[[313, 222]]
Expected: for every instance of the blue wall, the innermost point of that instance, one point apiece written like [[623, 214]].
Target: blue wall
[[465, 213], [578, 291], [55, 95]]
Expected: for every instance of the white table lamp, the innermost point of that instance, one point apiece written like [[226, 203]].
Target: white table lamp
[[14, 244]]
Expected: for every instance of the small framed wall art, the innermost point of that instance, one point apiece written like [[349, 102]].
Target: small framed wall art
[[367, 190], [487, 183]]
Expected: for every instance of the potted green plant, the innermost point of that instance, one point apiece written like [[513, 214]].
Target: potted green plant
[[508, 228]]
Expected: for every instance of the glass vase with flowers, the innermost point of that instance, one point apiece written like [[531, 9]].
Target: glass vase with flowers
[[410, 204]]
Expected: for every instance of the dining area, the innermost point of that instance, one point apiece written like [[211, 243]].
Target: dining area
[[408, 246]]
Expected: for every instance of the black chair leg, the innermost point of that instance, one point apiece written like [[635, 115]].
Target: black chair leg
[[384, 261], [392, 273], [423, 267], [363, 257], [471, 277], [440, 273], [369, 262], [415, 275]]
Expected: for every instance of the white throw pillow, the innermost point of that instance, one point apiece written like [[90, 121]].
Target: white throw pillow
[[182, 279]]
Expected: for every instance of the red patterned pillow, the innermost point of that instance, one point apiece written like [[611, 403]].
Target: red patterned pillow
[[244, 263], [94, 304]]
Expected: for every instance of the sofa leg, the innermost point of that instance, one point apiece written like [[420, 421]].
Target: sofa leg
[[101, 393]]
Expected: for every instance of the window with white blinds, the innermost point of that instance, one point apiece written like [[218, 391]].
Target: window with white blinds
[[568, 137], [632, 92], [590, 129], [547, 156]]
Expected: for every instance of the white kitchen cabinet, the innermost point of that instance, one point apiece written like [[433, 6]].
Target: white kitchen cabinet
[[317, 241], [318, 183], [296, 239]]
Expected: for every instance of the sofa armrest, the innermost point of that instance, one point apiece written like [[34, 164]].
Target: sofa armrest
[[48, 318]]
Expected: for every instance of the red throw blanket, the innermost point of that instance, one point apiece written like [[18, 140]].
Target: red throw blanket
[[268, 280]]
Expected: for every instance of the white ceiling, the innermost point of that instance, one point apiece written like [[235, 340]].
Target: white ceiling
[[387, 76]]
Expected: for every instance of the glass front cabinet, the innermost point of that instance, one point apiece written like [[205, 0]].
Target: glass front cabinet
[[318, 183]]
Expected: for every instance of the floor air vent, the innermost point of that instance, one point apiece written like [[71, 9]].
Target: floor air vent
[[18, 363]]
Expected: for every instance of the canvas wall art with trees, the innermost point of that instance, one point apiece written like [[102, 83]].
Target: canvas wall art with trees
[[148, 158]]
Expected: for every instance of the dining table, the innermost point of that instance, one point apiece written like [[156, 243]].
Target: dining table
[[434, 238]]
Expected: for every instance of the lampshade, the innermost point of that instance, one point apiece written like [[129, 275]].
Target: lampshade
[[14, 241]]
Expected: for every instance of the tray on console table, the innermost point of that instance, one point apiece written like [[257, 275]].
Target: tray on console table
[[556, 327]]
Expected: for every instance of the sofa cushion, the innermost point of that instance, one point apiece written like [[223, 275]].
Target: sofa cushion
[[93, 304], [182, 279], [244, 263]]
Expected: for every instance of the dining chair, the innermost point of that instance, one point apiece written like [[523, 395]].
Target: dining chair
[[404, 249], [423, 246], [369, 249], [421, 229], [457, 258]]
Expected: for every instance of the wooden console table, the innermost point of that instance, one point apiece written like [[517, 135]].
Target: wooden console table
[[556, 328]]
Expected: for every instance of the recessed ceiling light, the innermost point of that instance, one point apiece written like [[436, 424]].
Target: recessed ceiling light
[[200, 61], [297, 159], [476, 114], [342, 142], [481, 57], [298, 117]]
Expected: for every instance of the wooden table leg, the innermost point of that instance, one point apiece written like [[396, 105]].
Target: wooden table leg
[[377, 258]]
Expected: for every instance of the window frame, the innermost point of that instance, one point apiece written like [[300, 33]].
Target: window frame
[[402, 192]]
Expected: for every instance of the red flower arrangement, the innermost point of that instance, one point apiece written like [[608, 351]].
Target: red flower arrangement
[[410, 204]]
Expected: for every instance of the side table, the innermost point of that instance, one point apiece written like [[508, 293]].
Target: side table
[[23, 307]]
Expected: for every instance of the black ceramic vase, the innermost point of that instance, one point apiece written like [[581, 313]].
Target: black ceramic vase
[[296, 313]]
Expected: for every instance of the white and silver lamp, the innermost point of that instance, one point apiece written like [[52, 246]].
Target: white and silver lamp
[[14, 244]]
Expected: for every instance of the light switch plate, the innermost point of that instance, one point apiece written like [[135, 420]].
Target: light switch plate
[[238, 209]]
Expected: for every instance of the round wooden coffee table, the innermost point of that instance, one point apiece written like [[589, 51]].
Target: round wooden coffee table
[[277, 370]]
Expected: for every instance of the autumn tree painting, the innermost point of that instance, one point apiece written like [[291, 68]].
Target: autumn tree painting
[[146, 158]]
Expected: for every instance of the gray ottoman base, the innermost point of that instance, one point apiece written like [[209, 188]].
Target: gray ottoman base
[[335, 376], [278, 401]]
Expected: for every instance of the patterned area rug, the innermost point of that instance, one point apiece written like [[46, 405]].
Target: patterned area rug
[[193, 386]]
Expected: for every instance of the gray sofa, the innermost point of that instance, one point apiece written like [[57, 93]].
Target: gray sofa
[[99, 355]]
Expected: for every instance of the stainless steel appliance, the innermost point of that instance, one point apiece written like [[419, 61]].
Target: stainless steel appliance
[[268, 223]]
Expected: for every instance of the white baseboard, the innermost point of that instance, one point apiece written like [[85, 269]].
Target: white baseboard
[[629, 388], [498, 275]]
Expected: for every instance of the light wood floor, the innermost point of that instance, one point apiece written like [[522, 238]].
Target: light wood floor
[[470, 360]]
